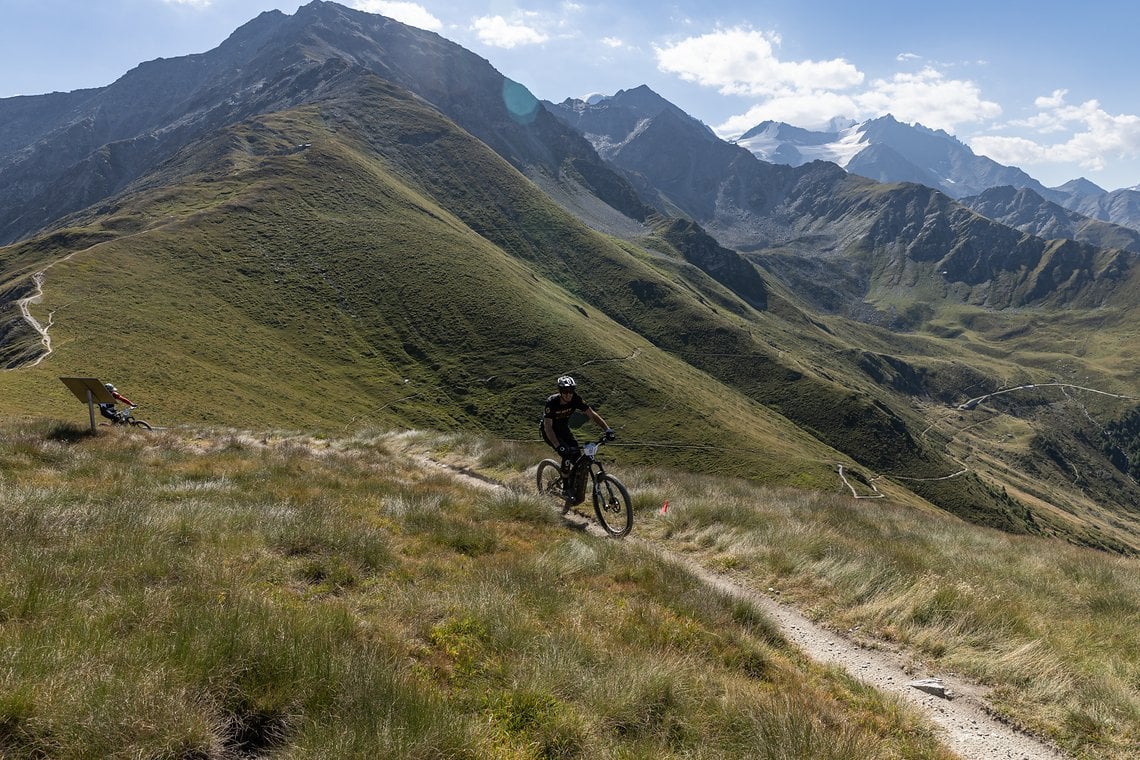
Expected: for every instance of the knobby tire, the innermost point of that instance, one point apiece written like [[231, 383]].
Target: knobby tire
[[612, 506], [549, 480]]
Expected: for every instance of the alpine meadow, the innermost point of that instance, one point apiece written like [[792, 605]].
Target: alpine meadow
[[340, 262]]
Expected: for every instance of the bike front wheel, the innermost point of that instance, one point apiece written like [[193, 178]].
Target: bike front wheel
[[611, 505], [139, 423], [549, 480]]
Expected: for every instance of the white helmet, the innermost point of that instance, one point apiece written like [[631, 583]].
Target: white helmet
[[566, 382], [109, 387]]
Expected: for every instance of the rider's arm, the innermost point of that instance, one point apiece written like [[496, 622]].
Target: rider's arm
[[548, 426], [122, 398], [597, 418]]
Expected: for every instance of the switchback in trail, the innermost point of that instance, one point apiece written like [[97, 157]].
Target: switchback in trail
[[24, 304]]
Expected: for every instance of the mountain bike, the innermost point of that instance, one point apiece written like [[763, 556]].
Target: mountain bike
[[611, 501], [123, 417]]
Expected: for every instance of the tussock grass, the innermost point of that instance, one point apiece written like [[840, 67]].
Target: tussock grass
[[220, 594], [1051, 628]]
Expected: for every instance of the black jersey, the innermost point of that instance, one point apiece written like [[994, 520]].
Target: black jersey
[[559, 411]]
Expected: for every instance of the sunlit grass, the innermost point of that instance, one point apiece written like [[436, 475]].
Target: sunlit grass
[[1051, 628], [217, 594]]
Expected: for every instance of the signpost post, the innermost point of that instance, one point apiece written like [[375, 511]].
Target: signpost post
[[90, 391]]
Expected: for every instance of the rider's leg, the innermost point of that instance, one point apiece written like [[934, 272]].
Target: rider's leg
[[570, 474], [565, 468], [573, 450], [565, 440]]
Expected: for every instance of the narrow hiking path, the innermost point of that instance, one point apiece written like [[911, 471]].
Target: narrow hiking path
[[25, 312], [966, 724], [973, 403], [37, 295]]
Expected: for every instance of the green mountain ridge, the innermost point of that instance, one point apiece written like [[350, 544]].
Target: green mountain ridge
[[263, 295], [364, 258], [253, 282]]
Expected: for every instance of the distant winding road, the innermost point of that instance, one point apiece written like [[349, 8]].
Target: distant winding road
[[972, 403]]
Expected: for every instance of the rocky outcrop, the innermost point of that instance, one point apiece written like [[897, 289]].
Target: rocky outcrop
[[1027, 211]]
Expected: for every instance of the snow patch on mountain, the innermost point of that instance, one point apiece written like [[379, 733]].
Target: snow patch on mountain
[[775, 142]]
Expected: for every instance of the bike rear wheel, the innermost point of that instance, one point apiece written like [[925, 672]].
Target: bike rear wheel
[[549, 480], [612, 506]]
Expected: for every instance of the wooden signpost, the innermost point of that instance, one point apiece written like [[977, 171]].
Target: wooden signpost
[[90, 391]]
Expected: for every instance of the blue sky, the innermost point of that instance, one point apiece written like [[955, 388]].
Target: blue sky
[[1047, 87]]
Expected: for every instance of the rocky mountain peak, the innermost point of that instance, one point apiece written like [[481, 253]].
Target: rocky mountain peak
[[1081, 188], [274, 61]]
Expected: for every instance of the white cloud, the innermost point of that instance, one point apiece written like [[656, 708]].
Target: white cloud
[[192, 3], [929, 98], [810, 110], [1096, 136], [1011, 151], [614, 42], [743, 61], [809, 93], [1056, 100], [499, 32], [412, 14]]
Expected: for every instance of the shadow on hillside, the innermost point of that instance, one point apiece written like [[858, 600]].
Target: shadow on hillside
[[69, 432]]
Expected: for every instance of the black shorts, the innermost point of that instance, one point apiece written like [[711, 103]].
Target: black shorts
[[566, 437]]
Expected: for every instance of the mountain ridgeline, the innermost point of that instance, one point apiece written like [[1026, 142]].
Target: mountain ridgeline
[[334, 220], [63, 153], [886, 150]]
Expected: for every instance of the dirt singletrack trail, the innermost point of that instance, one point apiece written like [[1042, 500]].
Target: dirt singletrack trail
[[965, 724]]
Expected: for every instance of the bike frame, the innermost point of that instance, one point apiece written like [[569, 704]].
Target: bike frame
[[126, 417], [611, 499], [122, 416], [594, 468]]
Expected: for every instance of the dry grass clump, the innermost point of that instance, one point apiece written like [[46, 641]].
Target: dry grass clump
[[1053, 628], [176, 595]]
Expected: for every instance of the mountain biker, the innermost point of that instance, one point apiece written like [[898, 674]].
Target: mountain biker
[[108, 410], [555, 426]]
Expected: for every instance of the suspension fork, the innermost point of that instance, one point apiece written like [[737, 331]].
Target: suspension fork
[[596, 477]]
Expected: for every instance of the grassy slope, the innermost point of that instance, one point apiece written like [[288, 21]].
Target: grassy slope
[[732, 343], [253, 291], [383, 305], [211, 594], [952, 351], [1050, 629], [1041, 445]]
